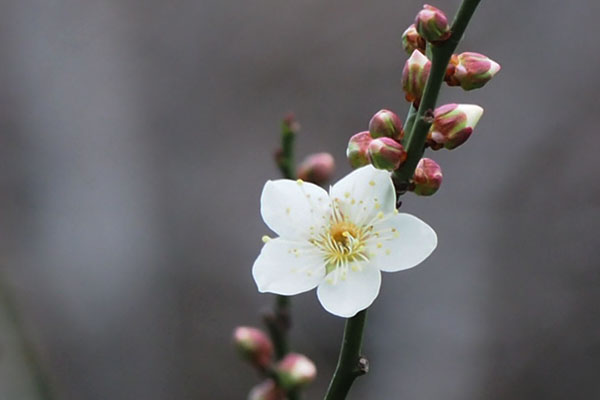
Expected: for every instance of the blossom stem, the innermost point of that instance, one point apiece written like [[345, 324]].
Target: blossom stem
[[415, 144], [350, 363]]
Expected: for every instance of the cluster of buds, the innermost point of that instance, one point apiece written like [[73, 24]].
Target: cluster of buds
[[452, 125], [316, 168], [293, 372], [470, 70], [380, 145]]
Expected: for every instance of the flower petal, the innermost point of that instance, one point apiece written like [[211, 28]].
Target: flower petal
[[364, 193], [400, 242], [348, 296], [288, 267], [290, 208]]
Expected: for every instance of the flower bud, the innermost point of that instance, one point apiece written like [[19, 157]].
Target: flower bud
[[386, 153], [316, 168], [386, 124], [414, 76], [427, 178], [253, 345], [432, 24], [470, 70], [357, 151], [411, 40], [295, 370], [452, 125], [267, 390]]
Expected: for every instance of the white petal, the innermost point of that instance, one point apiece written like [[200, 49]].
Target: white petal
[[400, 242], [350, 295], [288, 267], [364, 193], [290, 208]]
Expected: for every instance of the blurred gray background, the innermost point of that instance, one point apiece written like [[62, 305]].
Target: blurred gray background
[[135, 137]]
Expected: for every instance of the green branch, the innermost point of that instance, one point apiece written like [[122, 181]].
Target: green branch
[[350, 364]]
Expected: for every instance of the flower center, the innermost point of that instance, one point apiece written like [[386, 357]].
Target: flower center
[[342, 244]]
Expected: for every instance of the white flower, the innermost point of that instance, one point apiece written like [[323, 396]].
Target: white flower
[[338, 242]]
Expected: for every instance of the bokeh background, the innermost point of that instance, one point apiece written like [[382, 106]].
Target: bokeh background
[[135, 137]]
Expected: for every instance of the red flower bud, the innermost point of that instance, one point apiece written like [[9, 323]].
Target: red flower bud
[[470, 70], [317, 168], [432, 24], [386, 124], [414, 76], [453, 125], [427, 178], [386, 153], [253, 345], [411, 40], [357, 151], [295, 370]]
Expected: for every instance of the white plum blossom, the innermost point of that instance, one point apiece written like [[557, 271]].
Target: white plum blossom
[[338, 242]]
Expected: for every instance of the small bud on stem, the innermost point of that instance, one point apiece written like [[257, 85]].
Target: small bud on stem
[[470, 70], [357, 151], [453, 125], [316, 168], [386, 153], [386, 124], [427, 178], [414, 76], [432, 24], [253, 345], [295, 370], [411, 40]]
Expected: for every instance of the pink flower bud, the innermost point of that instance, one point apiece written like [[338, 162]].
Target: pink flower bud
[[386, 153], [411, 40], [317, 168], [386, 124], [414, 76], [295, 370], [254, 345], [267, 390], [432, 24], [452, 125], [470, 70], [427, 178], [357, 151]]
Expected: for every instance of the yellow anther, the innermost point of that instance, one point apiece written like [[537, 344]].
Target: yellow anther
[[379, 245], [347, 194], [372, 183], [265, 239], [380, 215], [299, 181]]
